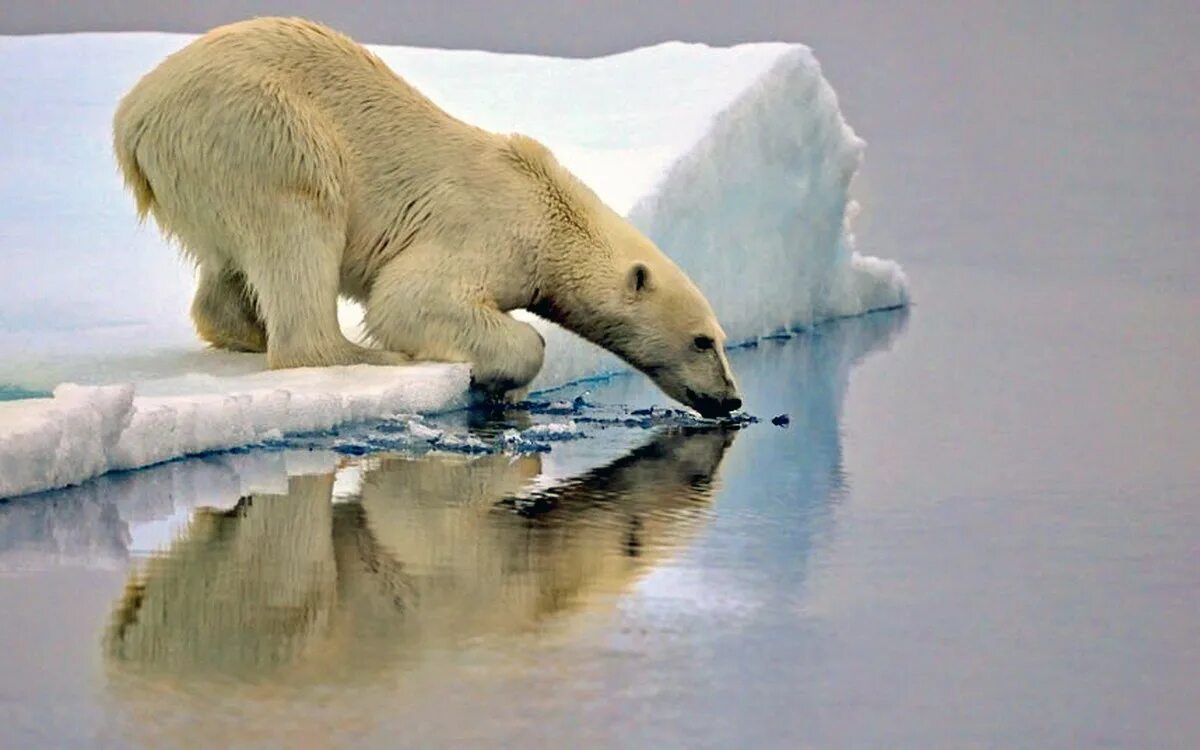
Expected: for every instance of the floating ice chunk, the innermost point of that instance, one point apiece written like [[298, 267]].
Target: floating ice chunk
[[742, 176], [553, 431], [423, 432], [464, 444], [527, 441], [559, 407]]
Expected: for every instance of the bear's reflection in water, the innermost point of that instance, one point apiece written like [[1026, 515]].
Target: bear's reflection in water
[[435, 552]]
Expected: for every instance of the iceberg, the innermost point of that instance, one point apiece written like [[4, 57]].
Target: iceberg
[[736, 161]]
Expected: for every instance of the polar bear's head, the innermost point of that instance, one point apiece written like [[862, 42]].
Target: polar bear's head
[[598, 276], [620, 291], [666, 328]]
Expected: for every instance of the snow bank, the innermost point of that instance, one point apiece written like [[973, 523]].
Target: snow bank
[[736, 161]]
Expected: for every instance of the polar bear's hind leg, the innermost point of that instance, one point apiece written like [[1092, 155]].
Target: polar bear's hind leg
[[224, 311]]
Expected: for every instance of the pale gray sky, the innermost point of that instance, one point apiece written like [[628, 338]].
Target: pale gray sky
[[562, 27]]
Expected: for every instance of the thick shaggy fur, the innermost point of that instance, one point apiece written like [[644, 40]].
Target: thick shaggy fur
[[293, 166]]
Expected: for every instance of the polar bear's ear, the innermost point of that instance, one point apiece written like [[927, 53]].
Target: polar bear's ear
[[639, 278]]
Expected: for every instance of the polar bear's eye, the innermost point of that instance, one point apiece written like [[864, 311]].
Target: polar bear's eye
[[639, 277], [703, 343]]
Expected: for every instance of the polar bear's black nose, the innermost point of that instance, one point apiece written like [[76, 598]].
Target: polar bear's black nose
[[712, 406]]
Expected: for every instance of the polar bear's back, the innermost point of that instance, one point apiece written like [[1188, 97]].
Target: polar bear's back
[[267, 104], [323, 66]]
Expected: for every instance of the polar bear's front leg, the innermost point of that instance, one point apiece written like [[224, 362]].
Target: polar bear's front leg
[[224, 312], [292, 265], [508, 359], [505, 354], [437, 317]]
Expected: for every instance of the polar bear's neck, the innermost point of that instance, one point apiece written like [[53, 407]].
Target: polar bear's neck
[[568, 225]]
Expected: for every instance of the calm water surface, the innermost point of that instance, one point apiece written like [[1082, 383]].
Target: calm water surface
[[929, 554], [588, 595]]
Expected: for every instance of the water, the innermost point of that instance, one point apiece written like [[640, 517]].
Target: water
[[14, 392], [400, 596], [980, 529], [925, 556]]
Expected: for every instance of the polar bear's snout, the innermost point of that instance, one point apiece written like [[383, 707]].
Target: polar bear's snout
[[713, 406]]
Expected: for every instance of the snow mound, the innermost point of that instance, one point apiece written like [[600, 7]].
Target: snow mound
[[736, 161]]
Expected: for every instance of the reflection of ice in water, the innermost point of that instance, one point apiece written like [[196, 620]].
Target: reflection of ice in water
[[155, 536], [348, 482], [808, 377]]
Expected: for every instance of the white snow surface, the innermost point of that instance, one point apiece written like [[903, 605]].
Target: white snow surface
[[736, 161], [85, 431]]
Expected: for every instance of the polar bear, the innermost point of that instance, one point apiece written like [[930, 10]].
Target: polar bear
[[293, 166]]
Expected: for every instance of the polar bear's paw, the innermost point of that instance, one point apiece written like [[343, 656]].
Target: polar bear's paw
[[343, 354]]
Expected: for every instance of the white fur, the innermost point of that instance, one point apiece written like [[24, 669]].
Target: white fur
[[293, 166]]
